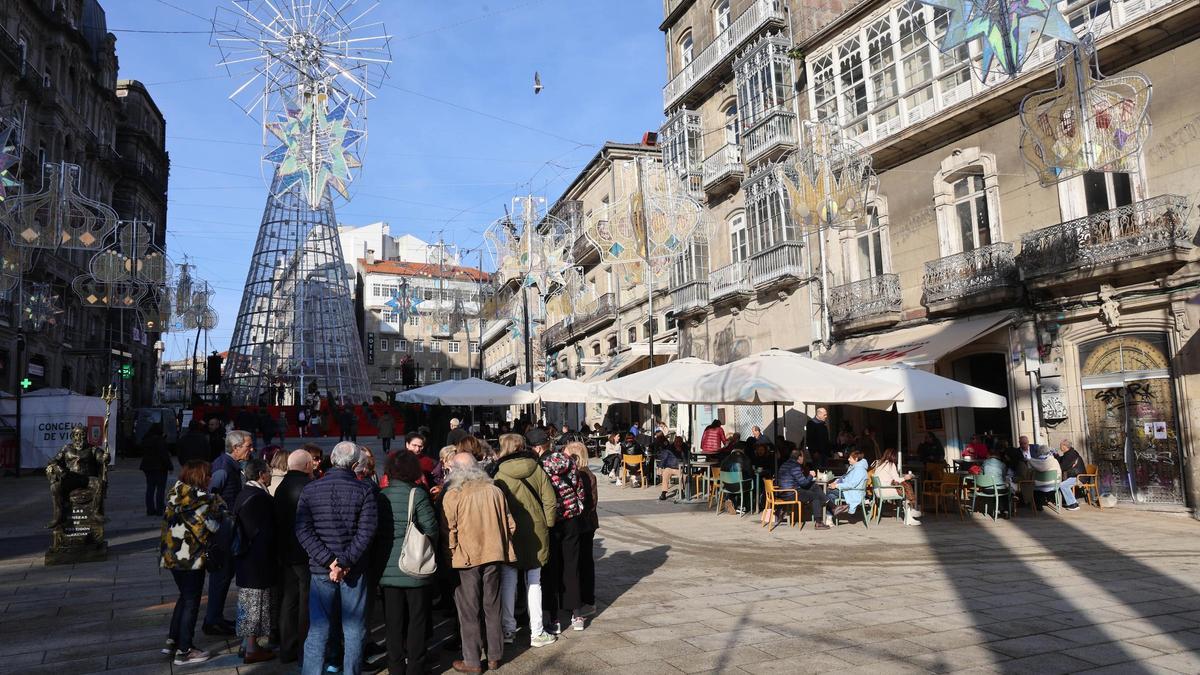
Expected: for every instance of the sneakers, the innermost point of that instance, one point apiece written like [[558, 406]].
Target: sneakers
[[577, 623], [510, 636], [542, 640], [840, 509], [662, 497], [1072, 507], [554, 628], [191, 657], [728, 507], [821, 526], [915, 513], [169, 649]]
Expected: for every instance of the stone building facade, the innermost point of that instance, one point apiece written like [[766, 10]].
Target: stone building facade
[[59, 88], [1074, 301]]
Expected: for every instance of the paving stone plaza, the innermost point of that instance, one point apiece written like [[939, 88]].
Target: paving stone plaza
[[683, 590]]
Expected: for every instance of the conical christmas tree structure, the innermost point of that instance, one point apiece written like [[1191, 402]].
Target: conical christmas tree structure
[[295, 329]]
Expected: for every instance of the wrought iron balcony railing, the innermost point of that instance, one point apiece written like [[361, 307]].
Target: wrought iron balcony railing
[[1143, 228], [783, 260], [723, 164], [776, 130], [863, 299], [984, 269], [595, 313], [729, 281], [757, 16], [690, 296], [502, 364]]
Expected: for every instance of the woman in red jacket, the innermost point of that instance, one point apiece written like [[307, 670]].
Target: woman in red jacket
[[713, 438]]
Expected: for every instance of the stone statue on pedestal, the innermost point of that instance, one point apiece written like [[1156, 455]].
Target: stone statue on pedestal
[[78, 477]]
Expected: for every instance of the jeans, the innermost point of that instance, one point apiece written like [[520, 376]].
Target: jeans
[[293, 611], [156, 490], [407, 613], [351, 597], [479, 589], [220, 576], [533, 597], [816, 500], [1067, 488], [187, 607]]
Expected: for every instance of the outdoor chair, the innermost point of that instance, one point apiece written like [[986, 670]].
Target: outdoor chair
[[712, 485], [1088, 483], [634, 461], [781, 498], [865, 506], [995, 490], [1054, 478], [935, 478], [884, 495], [746, 489]]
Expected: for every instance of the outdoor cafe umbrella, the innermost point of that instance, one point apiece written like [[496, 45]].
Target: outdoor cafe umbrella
[[565, 390], [471, 391], [927, 391], [672, 382], [778, 376]]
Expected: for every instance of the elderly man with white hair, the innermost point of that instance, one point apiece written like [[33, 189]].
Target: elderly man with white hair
[[226, 482], [294, 577], [336, 519], [478, 529]]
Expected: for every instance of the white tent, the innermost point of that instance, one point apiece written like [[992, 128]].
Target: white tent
[[778, 376], [47, 417], [471, 391], [673, 382], [927, 391], [564, 390]]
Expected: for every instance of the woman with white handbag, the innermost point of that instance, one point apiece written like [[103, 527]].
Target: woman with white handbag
[[411, 524]]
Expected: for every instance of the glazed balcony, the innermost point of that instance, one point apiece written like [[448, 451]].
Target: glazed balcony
[[730, 282], [866, 304], [773, 134], [1143, 240], [690, 298], [707, 66], [783, 263], [723, 169], [978, 278], [502, 365]]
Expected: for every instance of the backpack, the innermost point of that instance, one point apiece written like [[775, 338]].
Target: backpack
[[417, 558]]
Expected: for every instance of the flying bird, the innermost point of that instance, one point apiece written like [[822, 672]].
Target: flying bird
[[537, 83]]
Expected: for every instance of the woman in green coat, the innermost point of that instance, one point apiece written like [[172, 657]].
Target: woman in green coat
[[406, 599], [531, 500]]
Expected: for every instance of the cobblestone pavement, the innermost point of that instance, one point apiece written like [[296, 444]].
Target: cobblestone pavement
[[683, 590]]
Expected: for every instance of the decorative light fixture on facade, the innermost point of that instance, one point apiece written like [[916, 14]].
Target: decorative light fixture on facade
[[1086, 122], [830, 182], [1008, 30]]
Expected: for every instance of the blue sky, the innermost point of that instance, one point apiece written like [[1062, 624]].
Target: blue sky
[[430, 168]]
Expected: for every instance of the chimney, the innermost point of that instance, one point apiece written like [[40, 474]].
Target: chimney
[[370, 256]]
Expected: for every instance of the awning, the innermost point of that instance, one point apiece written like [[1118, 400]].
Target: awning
[[628, 358], [916, 346]]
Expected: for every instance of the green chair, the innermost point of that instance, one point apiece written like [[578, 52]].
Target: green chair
[[990, 488], [746, 489], [881, 499], [1052, 477], [865, 505]]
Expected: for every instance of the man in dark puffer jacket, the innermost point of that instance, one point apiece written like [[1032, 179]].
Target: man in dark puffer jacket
[[336, 520]]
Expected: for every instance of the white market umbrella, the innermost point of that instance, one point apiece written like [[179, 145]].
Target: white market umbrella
[[673, 382], [778, 376], [471, 391], [926, 391], [565, 390]]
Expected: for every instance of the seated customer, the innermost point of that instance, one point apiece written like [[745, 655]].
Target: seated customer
[[737, 461], [976, 449], [851, 487], [1043, 460], [1071, 465], [631, 446], [763, 459], [793, 476], [668, 467], [889, 475], [931, 450]]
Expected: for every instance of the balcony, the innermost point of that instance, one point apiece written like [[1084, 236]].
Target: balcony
[[865, 305], [681, 140], [502, 365], [707, 66], [598, 313], [723, 169], [783, 263], [775, 132], [690, 298], [1145, 240], [978, 278], [731, 282]]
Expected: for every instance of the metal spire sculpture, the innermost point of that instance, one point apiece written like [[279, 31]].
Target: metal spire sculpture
[[308, 68], [1086, 122]]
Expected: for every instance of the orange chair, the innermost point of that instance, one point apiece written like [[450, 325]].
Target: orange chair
[[1089, 484], [637, 461], [778, 498]]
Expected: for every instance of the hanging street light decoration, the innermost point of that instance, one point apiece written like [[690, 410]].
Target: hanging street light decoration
[[316, 150], [58, 216], [404, 301], [1008, 30], [830, 180], [125, 273], [40, 306], [1086, 122], [10, 156]]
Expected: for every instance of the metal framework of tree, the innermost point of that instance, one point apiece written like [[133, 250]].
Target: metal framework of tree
[[310, 67]]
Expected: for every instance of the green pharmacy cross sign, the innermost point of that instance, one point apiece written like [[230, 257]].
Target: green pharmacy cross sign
[[26, 383], [127, 372]]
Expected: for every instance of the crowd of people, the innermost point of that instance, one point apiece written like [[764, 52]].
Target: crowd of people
[[319, 544]]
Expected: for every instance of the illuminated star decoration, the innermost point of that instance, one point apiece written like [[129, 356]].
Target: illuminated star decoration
[[8, 159], [403, 302], [1007, 29], [41, 306], [1086, 122], [316, 148]]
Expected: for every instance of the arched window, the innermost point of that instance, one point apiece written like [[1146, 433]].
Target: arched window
[[739, 241], [686, 49], [721, 16], [967, 199]]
